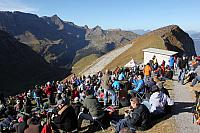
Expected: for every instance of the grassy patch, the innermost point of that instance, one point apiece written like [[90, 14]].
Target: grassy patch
[[84, 63]]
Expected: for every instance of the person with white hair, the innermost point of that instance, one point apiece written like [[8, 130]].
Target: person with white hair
[[50, 92]]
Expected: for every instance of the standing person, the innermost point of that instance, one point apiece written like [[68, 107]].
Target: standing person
[[38, 96], [50, 93], [106, 85], [147, 71], [182, 64], [155, 62], [60, 88], [171, 62]]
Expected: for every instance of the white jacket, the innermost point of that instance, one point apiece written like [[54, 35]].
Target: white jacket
[[158, 101]]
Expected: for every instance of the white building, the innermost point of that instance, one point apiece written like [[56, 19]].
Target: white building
[[159, 53]]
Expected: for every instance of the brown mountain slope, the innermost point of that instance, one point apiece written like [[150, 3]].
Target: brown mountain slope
[[21, 67], [170, 38], [59, 42]]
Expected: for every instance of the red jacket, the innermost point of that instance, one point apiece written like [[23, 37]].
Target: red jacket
[[49, 90]]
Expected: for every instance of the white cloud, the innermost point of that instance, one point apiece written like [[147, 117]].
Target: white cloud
[[15, 5]]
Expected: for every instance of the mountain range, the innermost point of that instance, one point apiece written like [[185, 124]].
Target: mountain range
[[61, 43], [36, 49], [140, 31]]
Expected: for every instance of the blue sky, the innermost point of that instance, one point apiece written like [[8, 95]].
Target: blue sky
[[124, 14]]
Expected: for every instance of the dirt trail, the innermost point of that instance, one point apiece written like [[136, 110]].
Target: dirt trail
[[104, 60], [183, 109]]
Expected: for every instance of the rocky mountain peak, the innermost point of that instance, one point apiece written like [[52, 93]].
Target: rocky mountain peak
[[57, 21]]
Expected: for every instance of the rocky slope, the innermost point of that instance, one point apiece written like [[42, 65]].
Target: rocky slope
[[175, 39], [21, 67], [61, 43], [170, 38]]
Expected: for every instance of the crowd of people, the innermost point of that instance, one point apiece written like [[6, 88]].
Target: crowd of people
[[63, 105]]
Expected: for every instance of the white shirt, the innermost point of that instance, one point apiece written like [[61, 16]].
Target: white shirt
[[158, 100], [60, 88]]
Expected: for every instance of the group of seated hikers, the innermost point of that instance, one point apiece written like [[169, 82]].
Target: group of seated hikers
[[62, 106]]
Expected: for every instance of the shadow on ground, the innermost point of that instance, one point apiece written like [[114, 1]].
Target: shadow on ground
[[181, 107]]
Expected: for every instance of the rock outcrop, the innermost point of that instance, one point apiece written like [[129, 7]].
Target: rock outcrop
[[175, 39]]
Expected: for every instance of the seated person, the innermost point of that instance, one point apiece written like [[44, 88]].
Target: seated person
[[162, 88], [159, 101], [77, 106], [137, 117], [197, 77], [158, 71], [121, 76], [91, 105], [139, 85], [116, 84], [33, 124], [66, 118], [168, 73], [195, 80]]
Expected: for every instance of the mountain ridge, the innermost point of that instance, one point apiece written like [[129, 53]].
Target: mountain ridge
[[61, 42]]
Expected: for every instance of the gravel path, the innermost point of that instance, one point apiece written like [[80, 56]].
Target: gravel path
[[104, 60], [183, 109]]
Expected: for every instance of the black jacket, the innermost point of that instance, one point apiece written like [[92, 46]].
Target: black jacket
[[183, 63], [77, 107], [67, 121], [139, 118]]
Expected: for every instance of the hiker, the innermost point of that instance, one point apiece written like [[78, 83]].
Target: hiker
[[77, 106], [121, 76], [147, 71], [116, 84], [138, 83], [38, 96], [65, 119], [197, 77], [27, 105], [107, 86], [33, 125], [182, 65], [136, 117], [158, 101], [91, 109], [59, 88], [50, 93], [171, 62]]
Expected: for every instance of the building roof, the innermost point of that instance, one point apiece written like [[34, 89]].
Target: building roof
[[159, 51]]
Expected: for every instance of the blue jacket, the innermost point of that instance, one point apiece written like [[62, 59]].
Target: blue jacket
[[171, 61], [138, 85], [121, 76], [116, 85]]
